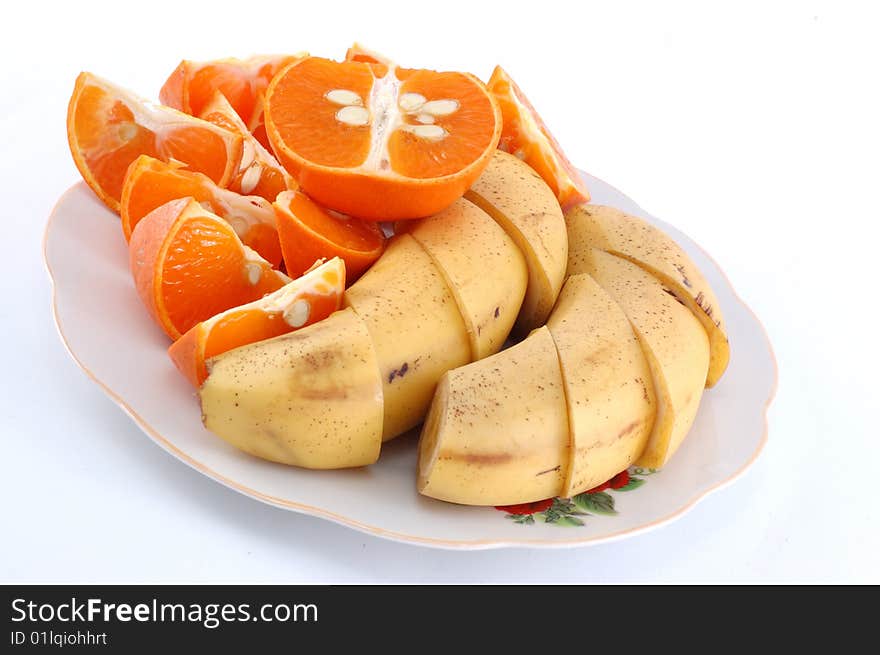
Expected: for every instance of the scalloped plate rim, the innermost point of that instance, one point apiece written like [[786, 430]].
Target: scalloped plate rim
[[397, 536]]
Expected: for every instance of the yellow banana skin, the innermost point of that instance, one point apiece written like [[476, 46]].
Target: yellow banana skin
[[608, 384], [444, 292], [673, 341], [630, 237], [483, 267], [522, 203], [633, 363], [497, 430], [415, 327], [311, 398]]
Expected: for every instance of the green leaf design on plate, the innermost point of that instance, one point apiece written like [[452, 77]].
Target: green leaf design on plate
[[596, 503], [569, 522], [551, 515], [634, 483], [522, 519], [563, 506]]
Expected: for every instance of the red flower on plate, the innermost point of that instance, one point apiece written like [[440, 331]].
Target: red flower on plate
[[618, 481], [526, 508]]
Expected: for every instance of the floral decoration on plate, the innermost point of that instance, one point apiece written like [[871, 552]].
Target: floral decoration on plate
[[570, 512]]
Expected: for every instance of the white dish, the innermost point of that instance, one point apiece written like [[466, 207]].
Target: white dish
[[111, 337]]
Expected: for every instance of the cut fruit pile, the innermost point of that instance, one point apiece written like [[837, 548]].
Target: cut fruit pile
[[340, 251]]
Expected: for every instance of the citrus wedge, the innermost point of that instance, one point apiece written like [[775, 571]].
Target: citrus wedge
[[188, 265], [150, 183], [259, 173], [243, 81], [309, 233], [299, 303], [358, 52], [526, 136], [379, 142], [109, 127]]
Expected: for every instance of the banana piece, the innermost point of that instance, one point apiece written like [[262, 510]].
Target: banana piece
[[310, 398], [497, 430], [673, 341], [415, 327], [613, 231], [608, 385], [522, 203], [444, 293], [482, 267], [562, 411]]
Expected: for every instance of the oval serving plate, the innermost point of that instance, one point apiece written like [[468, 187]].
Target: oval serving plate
[[87, 260]]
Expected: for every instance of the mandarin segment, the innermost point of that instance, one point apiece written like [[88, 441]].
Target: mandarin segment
[[310, 233], [151, 183], [359, 52], [109, 127], [306, 300], [188, 265], [259, 173], [243, 82], [526, 135]]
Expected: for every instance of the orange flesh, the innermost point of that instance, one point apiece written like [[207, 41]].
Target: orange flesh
[[203, 273], [263, 238], [108, 128], [357, 52], [239, 327], [189, 265], [312, 129], [245, 327], [230, 80], [151, 183], [191, 85], [272, 179], [350, 234], [469, 132], [309, 233], [107, 144], [395, 166], [525, 135]]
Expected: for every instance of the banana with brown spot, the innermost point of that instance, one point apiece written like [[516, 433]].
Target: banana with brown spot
[[497, 430], [611, 230], [415, 326], [608, 385], [522, 203], [673, 341], [483, 268], [310, 398]]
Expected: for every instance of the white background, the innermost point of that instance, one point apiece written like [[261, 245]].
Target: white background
[[753, 127]]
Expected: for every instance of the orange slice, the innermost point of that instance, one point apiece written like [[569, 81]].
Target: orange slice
[[358, 52], [526, 136], [243, 81], [259, 173], [379, 142], [299, 303], [309, 233], [108, 127], [150, 183], [188, 265]]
